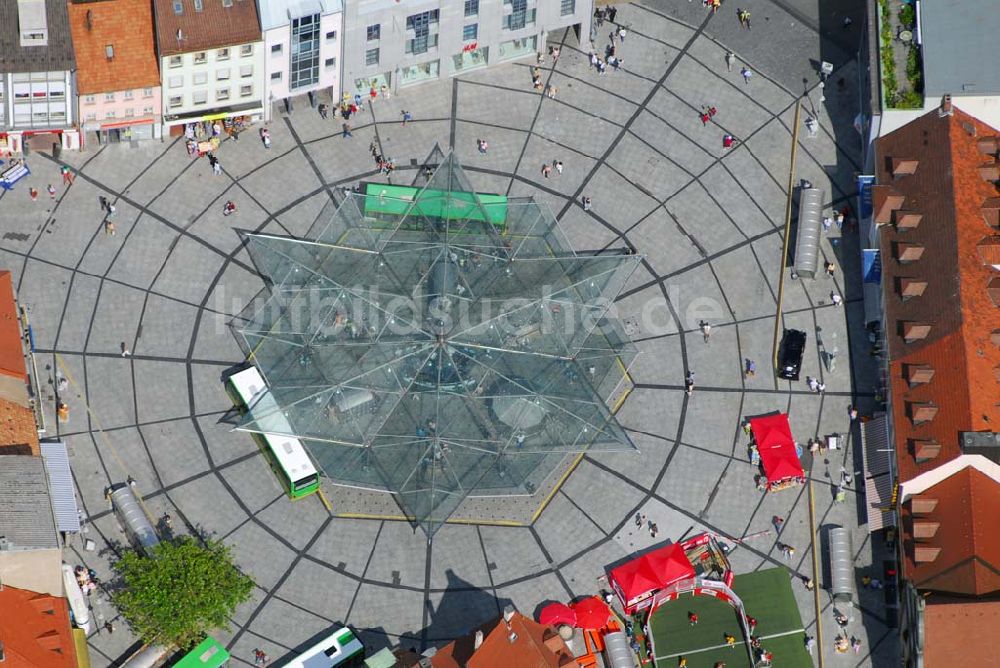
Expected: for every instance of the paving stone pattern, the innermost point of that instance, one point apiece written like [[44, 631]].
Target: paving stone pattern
[[708, 221]]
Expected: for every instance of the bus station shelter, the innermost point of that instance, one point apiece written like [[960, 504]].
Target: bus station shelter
[[636, 581], [779, 458]]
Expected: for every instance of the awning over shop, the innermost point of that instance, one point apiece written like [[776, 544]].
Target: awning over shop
[[877, 467], [61, 491]]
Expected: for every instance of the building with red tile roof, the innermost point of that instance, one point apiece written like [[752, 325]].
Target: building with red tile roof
[[512, 640], [937, 205], [35, 630], [118, 75], [955, 633]]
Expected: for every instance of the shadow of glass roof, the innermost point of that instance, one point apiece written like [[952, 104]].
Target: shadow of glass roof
[[438, 343]]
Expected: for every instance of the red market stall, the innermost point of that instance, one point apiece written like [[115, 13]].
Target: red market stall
[[775, 445], [635, 582]]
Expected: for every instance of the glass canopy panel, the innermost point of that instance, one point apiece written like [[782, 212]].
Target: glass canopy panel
[[456, 348]]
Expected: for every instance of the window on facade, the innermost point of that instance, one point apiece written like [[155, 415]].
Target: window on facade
[[199, 78], [246, 91], [176, 61], [374, 32], [227, 3], [176, 100], [246, 50], [304, 69], [109, 97], [130, 112], [147, 111], [200, 57], [222, 94], [330, 63], [222, 54], [276, 49], [199, 97], [199, 5], [147, 92], [471, 7], [91, 116], [331, 35], [178, 7], [275, 76], [246, 71], [470, 32], [109, 113], [109, 51], [175, 81], [520, 16], [87, 99], [129, 95], [371, 57], [420, 24], [222, 75], [567, 7]]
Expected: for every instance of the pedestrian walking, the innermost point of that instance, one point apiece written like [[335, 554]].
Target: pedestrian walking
[[730, 60], [836, 299], [407, 117], [638, 520], [34, 194], [483, 146], [52, 191], [324, 111], [856, 644], [839, 219], [109, 228], [653, 529], [746, 74], [810, 644], [554, 52], [852, 412], [778, 521], [752, 624], [751, 368], [546, 170], [692, 618], [787, 551], [706, 330], [558, 165], [621, 34], [112, 210], [808, 583], [67, 175], [830, 268], [689, 383], [730, 640], [827, 224], [217, 167], [125, 351], [346, 130], [728, 141], [612, 13], [109, 626], [705, 118], [586, 203]]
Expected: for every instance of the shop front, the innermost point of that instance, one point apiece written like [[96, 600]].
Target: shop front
[[126, 130], [518, 48], [417, 73], [17, 142], [472, 57], [380, 82], [233, 119]]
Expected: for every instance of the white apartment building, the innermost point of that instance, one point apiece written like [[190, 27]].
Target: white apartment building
[[302, 41], [211, 61]]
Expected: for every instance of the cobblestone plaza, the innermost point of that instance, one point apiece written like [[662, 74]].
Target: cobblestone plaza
[[705, 222]]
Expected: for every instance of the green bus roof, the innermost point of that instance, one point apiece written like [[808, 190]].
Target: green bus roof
[[397, 200], [208, 654]]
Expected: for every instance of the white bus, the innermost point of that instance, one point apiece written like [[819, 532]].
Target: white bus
[[341, 649], [286, 454]]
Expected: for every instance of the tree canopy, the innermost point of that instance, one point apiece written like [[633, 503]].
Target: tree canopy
[[181, 592]]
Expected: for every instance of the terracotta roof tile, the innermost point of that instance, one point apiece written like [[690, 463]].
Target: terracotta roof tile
[[954, 632], [536, 646], [35, 629], [11, 349], [125, 25], [948, 191], [18, 432], [968, 557], [214, 27]]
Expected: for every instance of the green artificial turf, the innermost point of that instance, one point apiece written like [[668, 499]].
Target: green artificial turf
[[767, 596]]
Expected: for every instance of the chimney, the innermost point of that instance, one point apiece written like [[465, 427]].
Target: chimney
[[478, 642], [945, 108], [923, 554], [508, 613], [923, 505]]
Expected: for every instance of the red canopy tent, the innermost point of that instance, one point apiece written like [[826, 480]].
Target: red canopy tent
[[636, 581], [773, 436]]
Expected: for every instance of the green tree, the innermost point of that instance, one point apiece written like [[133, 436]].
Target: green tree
[[180, 593]]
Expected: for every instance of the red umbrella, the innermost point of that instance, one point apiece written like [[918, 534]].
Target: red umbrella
[[591, 613], [556, 614]]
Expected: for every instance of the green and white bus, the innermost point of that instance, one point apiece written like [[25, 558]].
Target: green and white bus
[[286, 454], [208, 654], [340, 649]]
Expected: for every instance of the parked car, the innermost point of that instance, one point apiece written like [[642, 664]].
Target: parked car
[[793, 346]]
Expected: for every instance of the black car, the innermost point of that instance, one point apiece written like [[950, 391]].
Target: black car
[[793, 345]]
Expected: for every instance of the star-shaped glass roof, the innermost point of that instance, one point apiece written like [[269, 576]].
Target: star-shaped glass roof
[[439, 343]]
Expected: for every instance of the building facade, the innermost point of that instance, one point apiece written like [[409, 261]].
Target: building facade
[[302, 49], [398, 44], [117, 76], [36, 76], [211, 61]]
